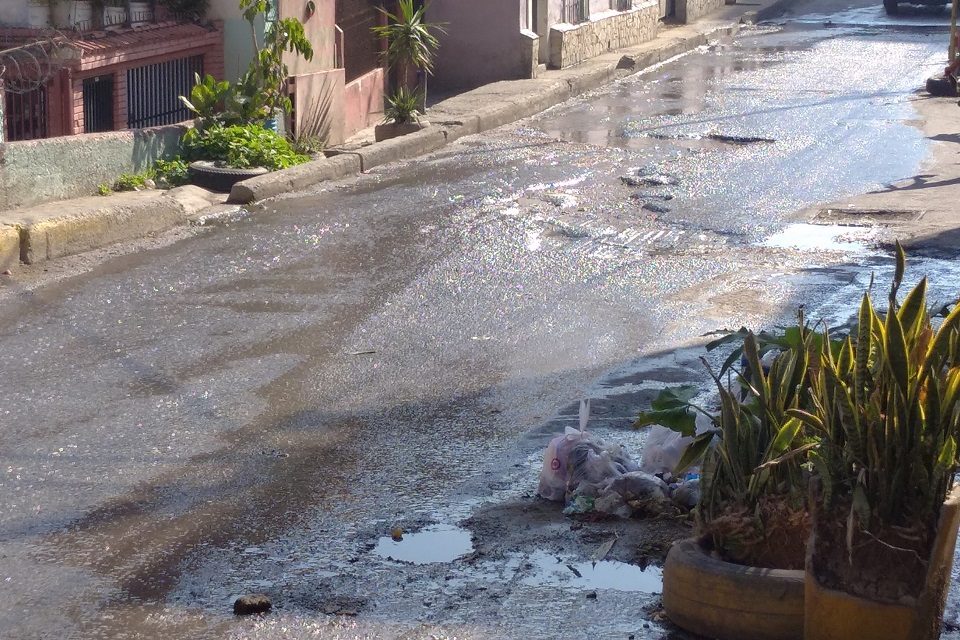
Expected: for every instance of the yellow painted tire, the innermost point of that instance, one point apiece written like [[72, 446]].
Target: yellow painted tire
[[727, 601]]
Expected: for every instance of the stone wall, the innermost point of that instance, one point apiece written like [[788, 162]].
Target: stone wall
[[690, 10], [40, 171], [571, 44]]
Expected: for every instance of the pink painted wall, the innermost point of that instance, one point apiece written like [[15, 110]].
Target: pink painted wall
[[320, 31], [363, 102], [482, 44]]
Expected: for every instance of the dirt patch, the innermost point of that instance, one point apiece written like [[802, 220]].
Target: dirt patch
[[887, 565], [534, 524]]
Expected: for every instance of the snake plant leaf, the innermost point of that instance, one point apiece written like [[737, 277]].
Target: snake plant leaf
[[694, 453], [809, 419], [897, 353], [911, 313]]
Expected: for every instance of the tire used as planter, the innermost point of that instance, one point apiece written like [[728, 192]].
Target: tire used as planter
[[835, 615], [208, 175], [727, 601]]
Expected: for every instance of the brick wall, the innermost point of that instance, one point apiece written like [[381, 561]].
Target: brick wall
[[572, 44]]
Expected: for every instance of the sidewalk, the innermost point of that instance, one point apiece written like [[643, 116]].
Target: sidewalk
[[58, 229], [921, 212]]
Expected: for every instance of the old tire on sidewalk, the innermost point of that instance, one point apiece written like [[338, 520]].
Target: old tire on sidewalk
[[220, 179], [942, 87], [727, 601]]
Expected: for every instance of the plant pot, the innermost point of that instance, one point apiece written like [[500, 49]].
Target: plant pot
[[141, 12], [73, 14], [392, 130], [835, 615], [38, 14], [727, 601], [220, 179], [114, 16]]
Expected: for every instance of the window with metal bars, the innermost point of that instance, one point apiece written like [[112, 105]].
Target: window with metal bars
[[154, 90], [575, 11], [25, 115], [621, 5], [98, 104]]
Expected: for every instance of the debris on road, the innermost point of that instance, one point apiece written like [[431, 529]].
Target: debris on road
[[596, 477], [252, 604]]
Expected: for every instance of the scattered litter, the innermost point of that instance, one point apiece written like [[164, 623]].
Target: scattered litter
[[362, 353], [604, 549], [592, 476]]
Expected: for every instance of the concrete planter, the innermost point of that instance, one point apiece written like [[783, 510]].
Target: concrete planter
[[835, 615], [393, 130], [727, 601], [73, 14]]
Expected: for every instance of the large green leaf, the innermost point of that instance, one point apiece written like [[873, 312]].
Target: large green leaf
[[671, 408]]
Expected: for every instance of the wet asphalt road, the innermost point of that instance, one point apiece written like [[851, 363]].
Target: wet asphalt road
[[249, 409]]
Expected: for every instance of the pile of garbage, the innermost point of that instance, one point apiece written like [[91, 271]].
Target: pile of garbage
[[592, 476]]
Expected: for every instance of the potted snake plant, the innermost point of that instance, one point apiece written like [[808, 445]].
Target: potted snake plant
[[741, 576], [886, 411]]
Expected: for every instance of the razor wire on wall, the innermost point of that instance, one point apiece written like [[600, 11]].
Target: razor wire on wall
[[30, 66]]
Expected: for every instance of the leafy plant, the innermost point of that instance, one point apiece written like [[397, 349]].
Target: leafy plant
[[104, 189], [268, 71], [193, 9], [206, 97], [309, 145], [132, 181], [886, 409], [411, 41], [403, 107], [172, 172], [241, 146]]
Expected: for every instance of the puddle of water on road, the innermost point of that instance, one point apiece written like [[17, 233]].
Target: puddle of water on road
[[436, 543], [817, 237], [606, 574]]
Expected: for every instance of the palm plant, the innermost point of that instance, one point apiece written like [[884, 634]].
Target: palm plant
[[403, 107], [411, 42]]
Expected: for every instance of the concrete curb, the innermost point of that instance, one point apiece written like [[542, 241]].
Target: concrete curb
[[9, 247], [508, 101], [46, 232]]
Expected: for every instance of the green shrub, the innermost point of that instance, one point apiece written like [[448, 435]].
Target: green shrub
[[173, 172], [403, 107], [132, 181], [241, 146], [104, 189]]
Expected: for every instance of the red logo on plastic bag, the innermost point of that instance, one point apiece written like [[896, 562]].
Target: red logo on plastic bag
[[555, 464]]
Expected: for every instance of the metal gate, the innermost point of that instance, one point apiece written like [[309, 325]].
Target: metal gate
[[154, 90], [25, 114], [98, 104], [361, 50]]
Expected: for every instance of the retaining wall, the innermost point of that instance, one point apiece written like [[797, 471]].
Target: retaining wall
[[690, 10], [571, 44], [39, 171]]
